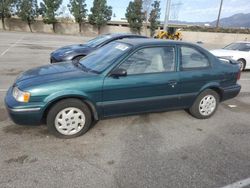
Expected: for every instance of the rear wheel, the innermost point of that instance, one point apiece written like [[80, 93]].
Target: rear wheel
[[205, 104], [69, 118], [242, 63]]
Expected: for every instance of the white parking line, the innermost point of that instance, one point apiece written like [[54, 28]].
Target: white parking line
[[3, 90], [239, 184], [11, 46], [245, 79]]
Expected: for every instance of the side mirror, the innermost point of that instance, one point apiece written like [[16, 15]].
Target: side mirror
[[118, 73]]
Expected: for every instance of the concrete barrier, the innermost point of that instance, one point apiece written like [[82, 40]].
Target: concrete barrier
[[219, 39]]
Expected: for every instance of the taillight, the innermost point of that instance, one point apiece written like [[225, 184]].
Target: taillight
[[238, 75]]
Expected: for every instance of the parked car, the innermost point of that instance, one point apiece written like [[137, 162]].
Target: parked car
[[122, 78], [239, 51], [78, 51]]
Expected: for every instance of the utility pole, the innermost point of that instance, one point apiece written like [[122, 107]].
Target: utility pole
[[218, 19], [167, 15]]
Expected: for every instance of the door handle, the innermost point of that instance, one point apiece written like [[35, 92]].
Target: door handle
[[172, 82]]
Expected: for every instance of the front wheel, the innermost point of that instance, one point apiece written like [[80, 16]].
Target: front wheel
[[205, 104], [69, 118]]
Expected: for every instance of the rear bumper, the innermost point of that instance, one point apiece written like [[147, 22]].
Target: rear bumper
[[231, 92]]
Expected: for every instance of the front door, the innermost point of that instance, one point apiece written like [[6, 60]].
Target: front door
[[151, 83]]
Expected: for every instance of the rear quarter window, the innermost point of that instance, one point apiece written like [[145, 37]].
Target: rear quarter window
[[190, 58]]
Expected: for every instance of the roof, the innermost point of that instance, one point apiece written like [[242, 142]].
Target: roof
[[123, 34], [247, 42], [150, 41]]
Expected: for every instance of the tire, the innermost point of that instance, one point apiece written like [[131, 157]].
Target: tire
[[242, 63], [69, 118], [205, 104]]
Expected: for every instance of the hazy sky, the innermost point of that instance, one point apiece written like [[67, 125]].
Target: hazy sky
[[184, 10]]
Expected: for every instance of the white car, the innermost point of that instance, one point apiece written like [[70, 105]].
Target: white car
[[239, 51]]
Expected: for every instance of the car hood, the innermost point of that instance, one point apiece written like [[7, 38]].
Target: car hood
[[223, 52], [74, 48], [50, 73]]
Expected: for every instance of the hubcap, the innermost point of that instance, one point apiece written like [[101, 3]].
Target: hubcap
[[70, 121], [207, 105]]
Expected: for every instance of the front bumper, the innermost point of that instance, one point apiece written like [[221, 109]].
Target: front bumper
[[231, 92], [53, 60], [23, 113]]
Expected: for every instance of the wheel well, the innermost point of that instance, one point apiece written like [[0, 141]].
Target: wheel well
[[78, 56], [89, 105], [242, 59], [218, 91]]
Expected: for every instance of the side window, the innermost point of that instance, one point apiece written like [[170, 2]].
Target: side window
[[192, 59], [246, 47], [150, 60]]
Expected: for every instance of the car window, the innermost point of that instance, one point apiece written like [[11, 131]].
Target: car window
[[238, 46], [150, 60], [102, 58], [98, 40], [192, 58]]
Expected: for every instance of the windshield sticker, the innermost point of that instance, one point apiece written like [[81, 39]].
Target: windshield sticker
[[121, 47]]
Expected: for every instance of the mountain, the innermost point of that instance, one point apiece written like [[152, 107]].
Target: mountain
[[234, 21], [237, 20]]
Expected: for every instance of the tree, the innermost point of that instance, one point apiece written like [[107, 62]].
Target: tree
[[135, 15], [100, 14], [27, 10], [6, 9], [79, 11], [49, 11], [154, 16]]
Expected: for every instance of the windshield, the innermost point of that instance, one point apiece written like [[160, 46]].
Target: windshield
[[238, 46], [102, 58], [98, 40]]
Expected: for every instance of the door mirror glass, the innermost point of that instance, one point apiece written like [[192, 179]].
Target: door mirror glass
[[118, 72]]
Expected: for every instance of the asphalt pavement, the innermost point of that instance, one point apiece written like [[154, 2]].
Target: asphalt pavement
[[170, 149]]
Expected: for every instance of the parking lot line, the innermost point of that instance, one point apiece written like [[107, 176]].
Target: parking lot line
[[11, 46], [239, 184], [245, 79], [3, 90]]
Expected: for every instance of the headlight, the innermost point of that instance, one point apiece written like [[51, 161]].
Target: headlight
[[20, 96]]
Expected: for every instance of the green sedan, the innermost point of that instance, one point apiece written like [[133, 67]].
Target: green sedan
[[125, 77]]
